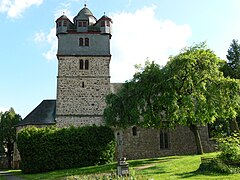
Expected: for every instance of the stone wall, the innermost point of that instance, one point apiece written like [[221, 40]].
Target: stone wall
[[146, 144], [81, 92], [66, 121]]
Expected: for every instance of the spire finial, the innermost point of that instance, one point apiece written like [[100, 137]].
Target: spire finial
[[85, 4]]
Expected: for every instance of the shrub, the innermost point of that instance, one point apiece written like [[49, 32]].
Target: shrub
[[214, 166], [230, 149], [51, 148]]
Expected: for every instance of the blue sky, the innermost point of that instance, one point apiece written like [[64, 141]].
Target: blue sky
[[142, 29]]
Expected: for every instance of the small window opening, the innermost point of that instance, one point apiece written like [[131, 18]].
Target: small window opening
[[86, 64], [82, 24], [134, 131], [164, 140], [102, 23], [64, 23], [83, 85], [86, 41], [80, 41], [59, 23], [81, 64]]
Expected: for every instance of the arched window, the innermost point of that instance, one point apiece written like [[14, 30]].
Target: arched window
[[86, 41], [80, 41], [134, 131], [81, 64], [86, 64]]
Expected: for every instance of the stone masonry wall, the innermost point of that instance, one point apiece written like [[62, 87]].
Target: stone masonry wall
[[81, 92], [66, 121], [146, 144]]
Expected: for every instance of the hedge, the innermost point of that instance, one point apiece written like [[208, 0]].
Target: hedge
[[51, 148]]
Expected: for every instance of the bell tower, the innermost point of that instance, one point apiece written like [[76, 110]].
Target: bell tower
[[83, 78]]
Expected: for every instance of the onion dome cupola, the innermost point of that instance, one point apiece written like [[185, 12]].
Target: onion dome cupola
[[84, 19], [62, 24], [105, 24]]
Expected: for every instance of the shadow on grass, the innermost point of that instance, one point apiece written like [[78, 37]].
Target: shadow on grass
[[198, 173], [154, 170], [70, 172], [142, 162]]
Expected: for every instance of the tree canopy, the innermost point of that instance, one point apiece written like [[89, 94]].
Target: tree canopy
[[232, 66], [8, 120], [190, 91]]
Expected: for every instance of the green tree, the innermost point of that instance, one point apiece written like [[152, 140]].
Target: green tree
[[190, 91], [231, 68], [138, 100], [199, 91], [8, 120]]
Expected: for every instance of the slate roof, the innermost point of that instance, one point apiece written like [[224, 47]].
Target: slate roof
[[43, 114], [85, 14]]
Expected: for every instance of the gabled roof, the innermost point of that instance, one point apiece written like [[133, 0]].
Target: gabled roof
[[43, 114]]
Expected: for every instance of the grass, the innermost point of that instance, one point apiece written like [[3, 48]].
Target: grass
[[174, 167]]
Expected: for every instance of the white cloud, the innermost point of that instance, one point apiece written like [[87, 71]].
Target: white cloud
[[63, 9], [52, 41], [140, 35], [40, 37], [50, 38], [15, 8], [136, 37]]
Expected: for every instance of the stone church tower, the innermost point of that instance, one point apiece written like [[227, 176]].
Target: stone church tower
[[83, 78], [83, 81]]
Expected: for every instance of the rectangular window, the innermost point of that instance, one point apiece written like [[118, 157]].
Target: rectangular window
[[164, 139], [82, 24], [64, 23], [102, 23]]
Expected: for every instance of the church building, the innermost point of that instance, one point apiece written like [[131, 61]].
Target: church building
[[83, 81]]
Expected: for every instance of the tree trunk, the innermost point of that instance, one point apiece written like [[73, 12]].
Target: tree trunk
[[198, 141], [234, 125]]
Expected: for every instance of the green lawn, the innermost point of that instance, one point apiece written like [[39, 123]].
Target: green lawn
[[174, 167]]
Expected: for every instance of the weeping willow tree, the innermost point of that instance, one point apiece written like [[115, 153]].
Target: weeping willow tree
[[190, 91]]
